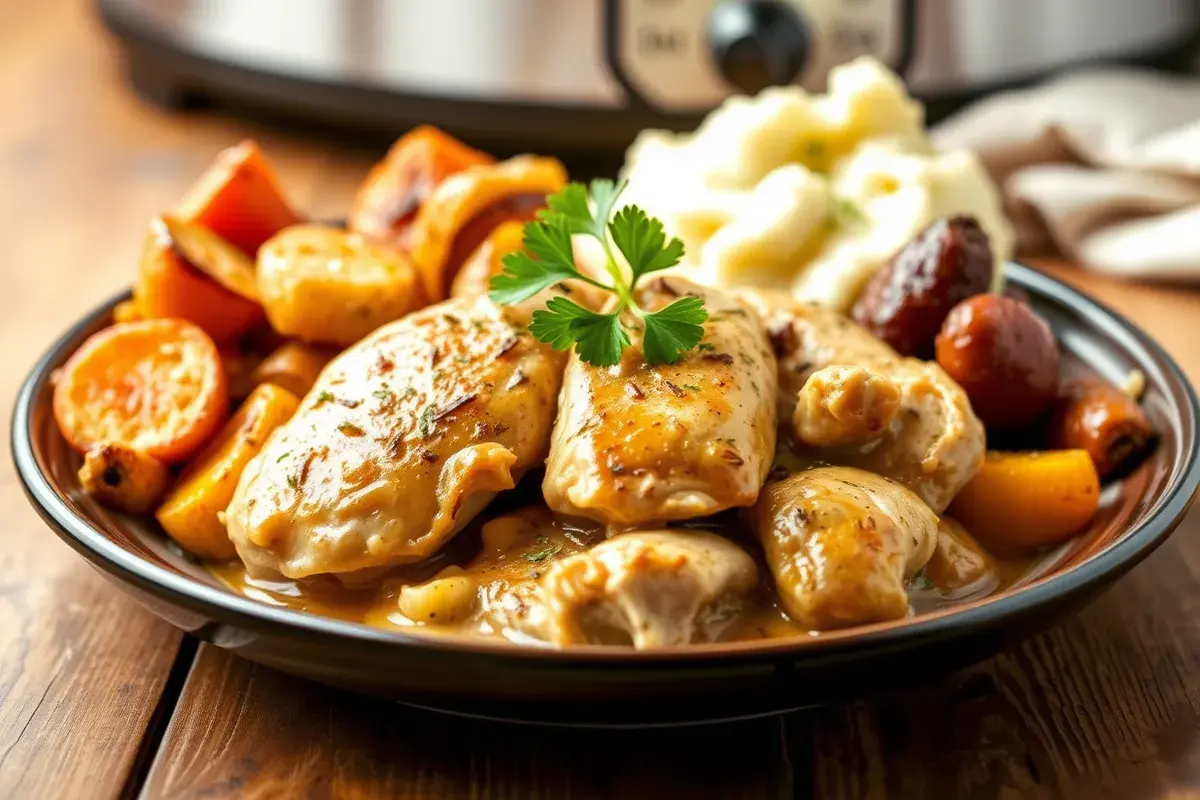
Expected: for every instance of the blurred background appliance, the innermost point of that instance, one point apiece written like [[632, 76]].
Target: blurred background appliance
[[586, 75]]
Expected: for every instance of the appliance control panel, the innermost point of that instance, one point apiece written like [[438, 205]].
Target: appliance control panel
[[688, 55]]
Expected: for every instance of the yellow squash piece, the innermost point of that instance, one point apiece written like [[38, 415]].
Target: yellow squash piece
[[1021, 501], [190, 514]]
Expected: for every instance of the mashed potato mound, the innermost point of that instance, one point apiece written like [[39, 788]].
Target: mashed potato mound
[[809, 193]]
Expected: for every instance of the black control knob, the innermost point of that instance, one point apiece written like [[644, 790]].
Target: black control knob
[[757, 43]]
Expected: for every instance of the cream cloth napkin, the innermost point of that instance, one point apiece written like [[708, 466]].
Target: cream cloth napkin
[[1101, 165]]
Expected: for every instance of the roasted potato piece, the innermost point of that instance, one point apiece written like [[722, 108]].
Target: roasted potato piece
[[449, 597], [467, 206], [905, 302], [1003, 355], [388, 200], [327, 285], [239, 199], [191, 512], [170, 284], [1095, 416], [1022, 501], [293, 365], [123, 478]]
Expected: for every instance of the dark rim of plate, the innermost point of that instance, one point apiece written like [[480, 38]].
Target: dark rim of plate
[[990, 612]]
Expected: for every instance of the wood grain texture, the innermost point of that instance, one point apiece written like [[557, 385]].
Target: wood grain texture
[[1104, 705], [244, 731]]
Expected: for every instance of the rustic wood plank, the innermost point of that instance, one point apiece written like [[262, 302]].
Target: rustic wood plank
[[242, 730]]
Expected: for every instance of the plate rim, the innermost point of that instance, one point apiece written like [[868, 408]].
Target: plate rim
[[229, 608]]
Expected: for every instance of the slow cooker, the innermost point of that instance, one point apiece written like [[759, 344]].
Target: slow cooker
[[588, 74]]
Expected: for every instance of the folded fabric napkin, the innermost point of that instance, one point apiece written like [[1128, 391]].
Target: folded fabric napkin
[[1101, 165]]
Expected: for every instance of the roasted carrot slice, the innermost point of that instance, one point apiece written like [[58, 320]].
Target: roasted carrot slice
[[388, 200], [190, 513], [239, 199], [171, 284], [156, 386]]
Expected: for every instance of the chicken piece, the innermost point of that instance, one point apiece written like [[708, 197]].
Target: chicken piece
[[636, 444], [935, 443], [843, 406], [959, 566], [646, 588], [840, 543], [402, 440]]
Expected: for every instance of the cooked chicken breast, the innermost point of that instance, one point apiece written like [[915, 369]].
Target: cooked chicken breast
[[934, 444], [645, 588], [636, 444], [840, 544], [403, 439]]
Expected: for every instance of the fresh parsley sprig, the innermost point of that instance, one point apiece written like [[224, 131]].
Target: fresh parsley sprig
[[548, 259]]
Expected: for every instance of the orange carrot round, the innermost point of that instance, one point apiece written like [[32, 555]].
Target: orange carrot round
[[157, 386]]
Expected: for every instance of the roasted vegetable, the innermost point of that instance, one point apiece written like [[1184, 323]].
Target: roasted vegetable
[[294, 366], [905, 302], [388, 200], [127, 311], [487, 261], [461, 212], [1004, 355], [157, 386], [1092, 415], [190, 512], [123, 478], [171, 285], [239, 199], [1022, 501], [327, 285]]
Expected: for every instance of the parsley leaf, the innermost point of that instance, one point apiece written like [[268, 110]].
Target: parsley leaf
[[672, 330], [599, 338], [643, 242], [548, 259]]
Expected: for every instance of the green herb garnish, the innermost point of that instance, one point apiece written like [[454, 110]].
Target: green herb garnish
[[538, 556], [548, 259], [425, 422], [845, 214], [324, 397]]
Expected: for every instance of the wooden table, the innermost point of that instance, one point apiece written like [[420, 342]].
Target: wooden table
[[98, 698]]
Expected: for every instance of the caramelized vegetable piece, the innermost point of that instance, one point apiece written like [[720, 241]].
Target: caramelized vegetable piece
[[327, 285], [1004, 355], [467, 206], [294, 366], [239, 199], [388, 200], [190, 513], [1022, 501], [906, 301], [171, 285], [123, 478], [1093, 415], [157, 386], [127, 311], [959, 566], [488, 260]]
